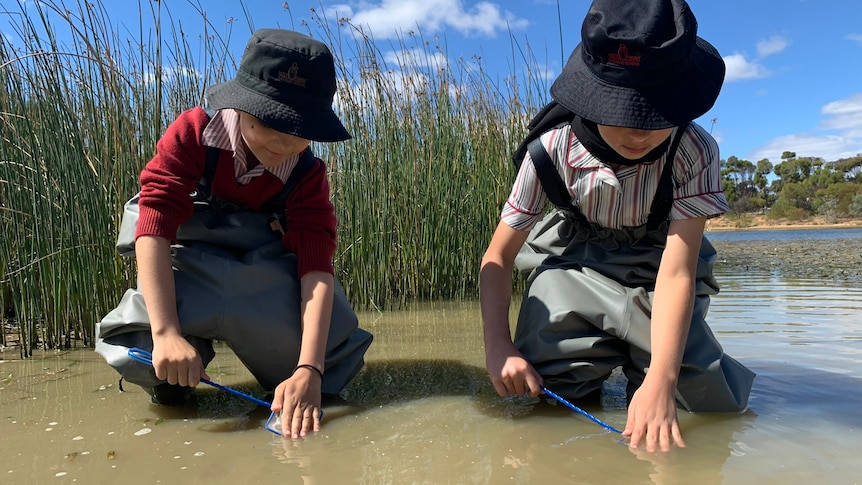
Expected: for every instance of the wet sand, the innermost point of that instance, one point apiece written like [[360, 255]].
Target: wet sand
[[839, 259]]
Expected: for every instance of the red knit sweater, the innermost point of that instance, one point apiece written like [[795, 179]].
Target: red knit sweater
[[173, 174]]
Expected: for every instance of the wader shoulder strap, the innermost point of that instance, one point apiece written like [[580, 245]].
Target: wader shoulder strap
[[551, 115], [663, 200], [304, 165], [205, 183], [552, 184], [277, 203]]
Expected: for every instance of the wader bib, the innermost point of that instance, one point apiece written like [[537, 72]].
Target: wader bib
[[587, 306], [235, 283]]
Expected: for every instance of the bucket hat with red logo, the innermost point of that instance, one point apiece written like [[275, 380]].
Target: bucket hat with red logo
[[640, 64], [287, 81]]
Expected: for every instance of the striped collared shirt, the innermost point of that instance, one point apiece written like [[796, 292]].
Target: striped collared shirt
[[223, 132], [621, 199]]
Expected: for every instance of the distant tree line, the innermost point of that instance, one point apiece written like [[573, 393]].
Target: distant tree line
[[801, 187]]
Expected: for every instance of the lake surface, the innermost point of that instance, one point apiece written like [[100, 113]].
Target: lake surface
[[784, 234], [423, 411]]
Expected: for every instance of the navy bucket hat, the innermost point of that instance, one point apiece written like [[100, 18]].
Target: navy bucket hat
[[640, 64], [287, 81]]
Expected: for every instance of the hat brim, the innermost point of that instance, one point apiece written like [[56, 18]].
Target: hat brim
[[685, 98], [303, 120]]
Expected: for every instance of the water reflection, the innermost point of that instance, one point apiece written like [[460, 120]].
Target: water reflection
[[439, 441], [423, 411]]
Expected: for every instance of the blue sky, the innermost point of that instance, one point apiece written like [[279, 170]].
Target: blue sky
[[794, 78]]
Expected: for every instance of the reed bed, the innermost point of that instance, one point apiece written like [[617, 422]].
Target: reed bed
[[417, 190]]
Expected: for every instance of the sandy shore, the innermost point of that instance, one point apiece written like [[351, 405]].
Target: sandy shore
[[754, 223]]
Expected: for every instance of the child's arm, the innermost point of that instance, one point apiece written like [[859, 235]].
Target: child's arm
[[174, 358], [298, 397], [311, 236], [510, 373], [652, 412]]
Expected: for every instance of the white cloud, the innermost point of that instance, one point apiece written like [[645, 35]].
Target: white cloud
[[389, 18], [841, 138], [827, 147], [365, 95], [772, 45], [172, 74], [415, 57], [854, 37], [540, 70], [846, 116], [846, 106], [739, 68]]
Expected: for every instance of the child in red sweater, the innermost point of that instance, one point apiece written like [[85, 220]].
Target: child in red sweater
[[247, 258]]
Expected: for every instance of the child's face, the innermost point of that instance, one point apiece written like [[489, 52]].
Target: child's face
[[632, 143], [269, 146]]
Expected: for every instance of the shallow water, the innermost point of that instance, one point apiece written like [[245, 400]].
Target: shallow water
[[785, 234], [423, 411]]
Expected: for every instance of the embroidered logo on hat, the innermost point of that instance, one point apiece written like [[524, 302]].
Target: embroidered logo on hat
[[291, 76], [622, 58]]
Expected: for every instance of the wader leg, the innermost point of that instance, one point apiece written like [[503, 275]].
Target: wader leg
[[709, 379], [128, 326], [269, 344], [560, 332]]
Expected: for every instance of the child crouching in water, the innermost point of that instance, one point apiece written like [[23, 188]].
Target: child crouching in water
[[620, 274], [247, 258]]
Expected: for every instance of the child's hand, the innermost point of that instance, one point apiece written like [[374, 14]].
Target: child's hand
[[511, 374], [652, 419], [298, 401], [176, 361]]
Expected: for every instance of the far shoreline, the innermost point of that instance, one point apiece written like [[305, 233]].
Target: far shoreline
[[760, 223]]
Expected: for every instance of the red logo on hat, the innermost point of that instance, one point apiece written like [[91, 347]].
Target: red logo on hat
[[291, 76], [622, 57]]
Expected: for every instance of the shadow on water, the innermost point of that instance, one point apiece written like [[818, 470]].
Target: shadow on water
[[383, 382], [380, 383], [386, 383]]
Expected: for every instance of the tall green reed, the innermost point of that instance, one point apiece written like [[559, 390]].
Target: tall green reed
[[417, 190], [79, 120]]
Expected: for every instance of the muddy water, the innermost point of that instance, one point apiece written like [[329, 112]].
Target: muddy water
[[423, 412]]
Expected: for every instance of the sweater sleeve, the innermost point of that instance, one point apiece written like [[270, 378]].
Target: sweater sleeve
[[311, 223], [698, 192], [171, 175]]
